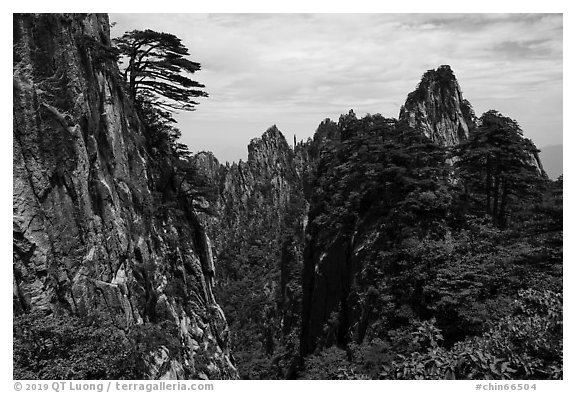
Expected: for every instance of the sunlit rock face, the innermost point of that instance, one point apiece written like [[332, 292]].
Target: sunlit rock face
[[438, 109], [88, 236], [252, 193], [265, 182]]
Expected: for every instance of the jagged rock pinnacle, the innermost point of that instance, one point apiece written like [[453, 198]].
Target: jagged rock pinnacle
[[438, 109]]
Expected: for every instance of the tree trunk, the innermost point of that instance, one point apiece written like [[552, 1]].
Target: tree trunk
[[488, 187], [502, 213], [496, 190]]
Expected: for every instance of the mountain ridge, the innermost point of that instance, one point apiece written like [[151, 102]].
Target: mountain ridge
[[301, 261]]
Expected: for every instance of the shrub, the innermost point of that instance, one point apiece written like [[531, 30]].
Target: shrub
[[524, 345], [68, 347]]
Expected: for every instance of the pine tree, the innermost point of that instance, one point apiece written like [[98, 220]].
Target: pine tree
[[156, 68], [497, 167]]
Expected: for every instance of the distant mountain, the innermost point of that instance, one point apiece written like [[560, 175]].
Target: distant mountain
[[551, 157], [258, 237]]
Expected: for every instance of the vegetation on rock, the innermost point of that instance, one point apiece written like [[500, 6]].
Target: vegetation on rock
[[428, 247]]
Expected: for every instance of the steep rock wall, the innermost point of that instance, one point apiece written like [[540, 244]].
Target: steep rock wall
[[258, 239], [437, 108], [268, 179], [88, 238]]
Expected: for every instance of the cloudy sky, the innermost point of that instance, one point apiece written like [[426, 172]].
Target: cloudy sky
[[294, 70]]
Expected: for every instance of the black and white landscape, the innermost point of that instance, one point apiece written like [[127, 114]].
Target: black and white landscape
[[421, 243]]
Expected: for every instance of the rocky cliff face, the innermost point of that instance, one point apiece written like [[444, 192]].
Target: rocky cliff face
[[437, 108], [268, 174], [258, 238], [267, 179], [89, 236]]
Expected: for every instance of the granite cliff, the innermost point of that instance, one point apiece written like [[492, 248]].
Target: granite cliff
[[258, 229], [437, 109], [90, 236]]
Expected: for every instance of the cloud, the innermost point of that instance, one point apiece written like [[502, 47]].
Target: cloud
[[297, 69]]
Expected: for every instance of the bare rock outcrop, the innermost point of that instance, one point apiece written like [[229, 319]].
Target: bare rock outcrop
[[437, 108]]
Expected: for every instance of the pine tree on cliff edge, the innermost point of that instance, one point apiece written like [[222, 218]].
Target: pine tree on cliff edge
[[155, 70]]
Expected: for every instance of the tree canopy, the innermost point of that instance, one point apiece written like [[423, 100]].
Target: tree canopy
[[156, 70], [497, 166]]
